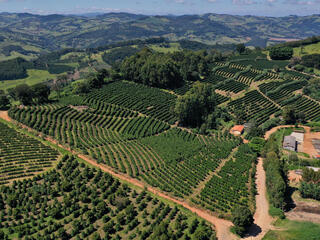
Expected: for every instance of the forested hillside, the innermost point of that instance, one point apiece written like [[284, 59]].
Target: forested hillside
[[28, 35]]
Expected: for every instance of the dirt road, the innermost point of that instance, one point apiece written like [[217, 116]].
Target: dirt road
[[4, 115], [273, 130], [262, 219], [221, 226]]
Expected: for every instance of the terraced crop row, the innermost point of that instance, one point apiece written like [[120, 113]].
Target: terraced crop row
[[149, 101], [87, 129], [229, 186], [310, 108], [22, 156], [187, 161], [231, 86], [254, 106]]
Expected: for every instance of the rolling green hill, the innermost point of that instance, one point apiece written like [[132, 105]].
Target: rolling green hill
[[28, 35]]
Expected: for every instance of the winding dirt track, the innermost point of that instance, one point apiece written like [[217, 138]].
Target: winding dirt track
[[262, 219], [221, 226], [273, 130]]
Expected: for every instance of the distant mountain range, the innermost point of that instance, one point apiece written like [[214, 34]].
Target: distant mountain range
[[28, 33]]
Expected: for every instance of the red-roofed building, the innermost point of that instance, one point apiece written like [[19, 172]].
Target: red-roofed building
[[237, 129]]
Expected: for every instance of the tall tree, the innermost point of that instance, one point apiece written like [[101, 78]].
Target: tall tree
[[41, 92], [242, 219], [194, 107], [241, 48], [24, 94]]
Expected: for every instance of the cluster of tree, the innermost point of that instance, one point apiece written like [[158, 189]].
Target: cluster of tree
[[4, 101], [198, 108], [281, 53], [13, 69], [38, 93], [254, 130], [310, 176], [240, 48], [92, 82], [242, 219], [311, 61], [310, 186], [310, 190], [291, 116], [152, 69], [275, 173], [59, 68], [166, 70]]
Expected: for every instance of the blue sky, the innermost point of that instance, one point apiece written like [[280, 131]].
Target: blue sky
[[178, 7]]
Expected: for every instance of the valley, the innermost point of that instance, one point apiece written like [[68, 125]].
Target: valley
[[129, 126]]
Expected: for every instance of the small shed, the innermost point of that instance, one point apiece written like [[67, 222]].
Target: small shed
[[290, 143], [237, 129]]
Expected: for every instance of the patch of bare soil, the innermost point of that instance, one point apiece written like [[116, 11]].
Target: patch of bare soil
[[305, 210], [4, 115], [307, 143], [294, 177]]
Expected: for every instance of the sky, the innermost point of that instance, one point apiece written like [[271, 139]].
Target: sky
[[163, 7]]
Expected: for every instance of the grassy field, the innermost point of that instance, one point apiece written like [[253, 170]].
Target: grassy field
[[174, 47], [34, 76], [309, 49], [294, 230]]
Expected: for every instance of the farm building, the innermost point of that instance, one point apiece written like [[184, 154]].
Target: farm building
[[290, 143], [299, 136], [237, 129]]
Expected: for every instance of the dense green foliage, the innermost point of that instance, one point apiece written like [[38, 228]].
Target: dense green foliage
[[22, 156], [281, 53], [75, 201], [313, 88], [310, 190], [275, 174], [312, 61], [310, 186], [38, 93], [242, 219], [13, 69], [4, 101], [197, 106], [152, 69]]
